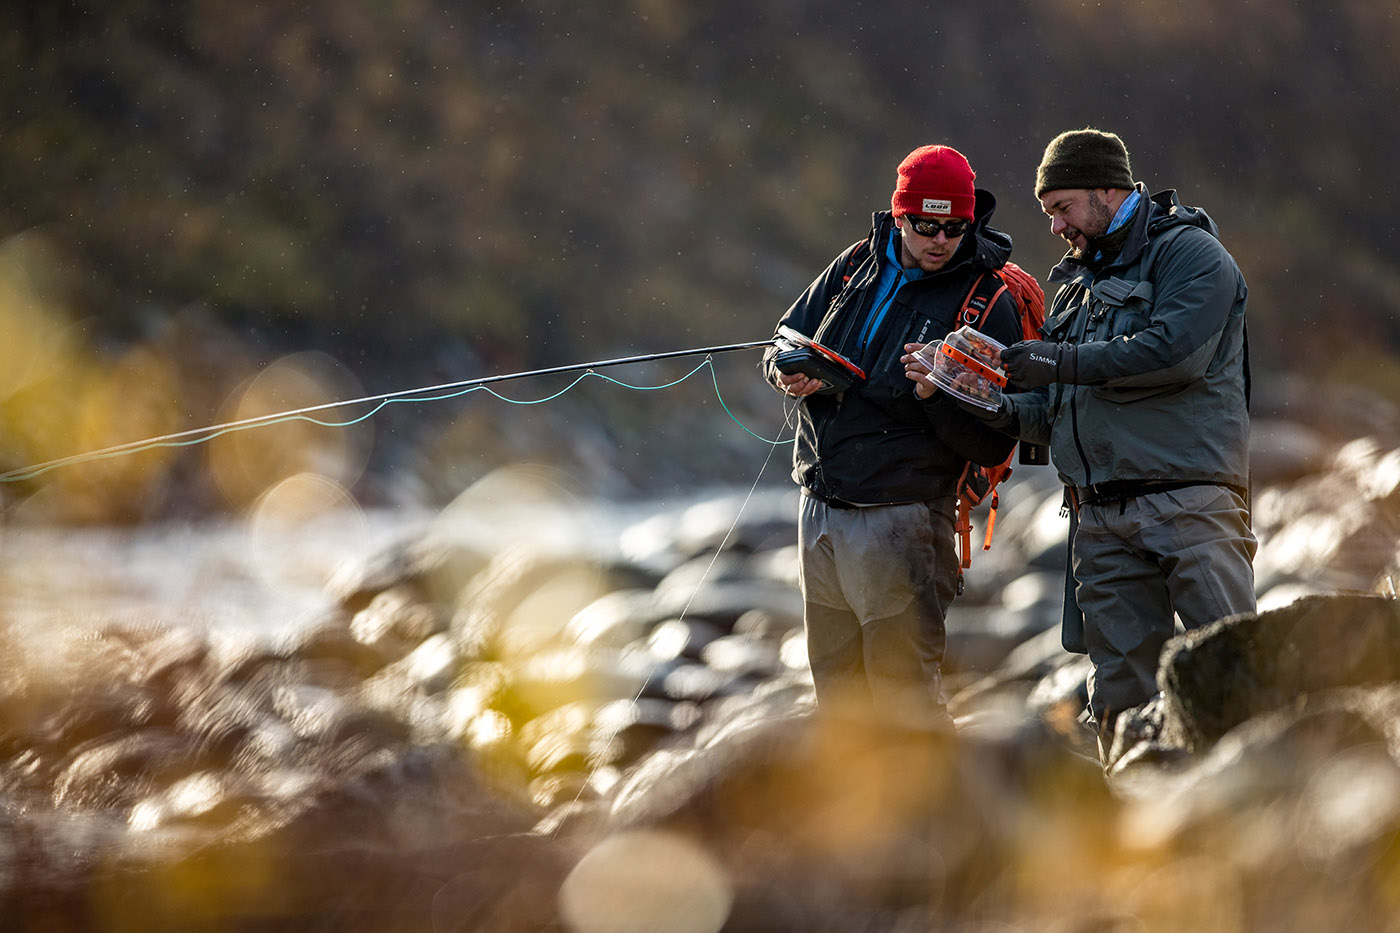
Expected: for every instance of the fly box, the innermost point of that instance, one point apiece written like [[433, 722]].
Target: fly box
[[967, 364]]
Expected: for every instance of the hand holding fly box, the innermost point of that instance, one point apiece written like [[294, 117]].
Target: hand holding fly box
[[798, 353]]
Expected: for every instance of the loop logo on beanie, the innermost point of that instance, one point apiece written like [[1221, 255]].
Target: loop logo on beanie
[[934, 180]]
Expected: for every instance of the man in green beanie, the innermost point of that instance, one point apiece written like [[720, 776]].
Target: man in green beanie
[[1140, 387]]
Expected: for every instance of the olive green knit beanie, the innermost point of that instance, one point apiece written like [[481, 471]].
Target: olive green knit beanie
[[1086, 158]]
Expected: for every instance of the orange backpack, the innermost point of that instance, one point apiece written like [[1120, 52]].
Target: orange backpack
[[978, 483]]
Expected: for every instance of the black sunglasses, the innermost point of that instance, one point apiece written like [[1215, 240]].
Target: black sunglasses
[[924, 227]]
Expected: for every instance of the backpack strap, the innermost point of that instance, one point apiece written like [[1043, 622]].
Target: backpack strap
[[981, 297], [962, 524], [854, 259], [856, 254], [991, 520]]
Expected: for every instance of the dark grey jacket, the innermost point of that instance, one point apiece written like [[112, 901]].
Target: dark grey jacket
[[1159, 367]]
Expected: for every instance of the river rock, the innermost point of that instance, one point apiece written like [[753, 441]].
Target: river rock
[[1219, 676], [1283, 451]]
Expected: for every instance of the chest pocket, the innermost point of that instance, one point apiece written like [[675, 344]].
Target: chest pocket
[[917, 326], [1059, 322], [880, 358], [1118, 308], [885, 382]]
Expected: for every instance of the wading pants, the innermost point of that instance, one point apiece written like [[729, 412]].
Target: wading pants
[[1138, 561], [876, 584]]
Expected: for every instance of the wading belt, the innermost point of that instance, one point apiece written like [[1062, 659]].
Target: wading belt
[[1123, 490]]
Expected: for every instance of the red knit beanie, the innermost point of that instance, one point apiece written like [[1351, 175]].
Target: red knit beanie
[[934, 180]]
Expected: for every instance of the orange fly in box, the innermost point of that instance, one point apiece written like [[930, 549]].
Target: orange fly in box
[[967, 364]]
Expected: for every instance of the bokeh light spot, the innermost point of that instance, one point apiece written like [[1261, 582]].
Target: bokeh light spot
[[648, 882]]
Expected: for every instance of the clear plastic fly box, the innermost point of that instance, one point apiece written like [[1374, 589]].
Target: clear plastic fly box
[[966, 363]]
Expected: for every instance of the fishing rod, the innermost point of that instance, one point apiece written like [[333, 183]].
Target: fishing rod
[[200, 435]]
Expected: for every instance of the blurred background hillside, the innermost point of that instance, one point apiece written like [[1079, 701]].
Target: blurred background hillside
[[426, 191]]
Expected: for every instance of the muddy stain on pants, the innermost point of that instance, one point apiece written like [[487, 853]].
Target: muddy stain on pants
[[876, 585]]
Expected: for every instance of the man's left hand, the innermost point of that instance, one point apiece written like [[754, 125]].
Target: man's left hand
[[916, 369], [1032, 363], [798, 385]]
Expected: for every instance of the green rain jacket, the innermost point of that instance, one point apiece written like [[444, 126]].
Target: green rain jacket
[[1157, 370]]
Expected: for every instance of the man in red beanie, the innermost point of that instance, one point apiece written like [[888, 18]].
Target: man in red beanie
[[877, 463]]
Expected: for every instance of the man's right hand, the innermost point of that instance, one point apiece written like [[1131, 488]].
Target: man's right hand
[[1031, 364], [798, 385]]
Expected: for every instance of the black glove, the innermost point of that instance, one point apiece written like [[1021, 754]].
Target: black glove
[[1032, 363]]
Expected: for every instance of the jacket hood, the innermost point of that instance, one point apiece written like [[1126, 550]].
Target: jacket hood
[[1168, 211], [1164, 211], [991, 248]]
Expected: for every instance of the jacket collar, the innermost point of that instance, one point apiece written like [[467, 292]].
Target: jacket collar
[[1070, 267]]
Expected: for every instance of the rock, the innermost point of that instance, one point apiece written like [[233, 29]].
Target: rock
[[1338, 528], [1388, 583], [1037, 659], [114, 770], [980, 638], [1283, 451], [724, 567], [615, 619], [746, 523], [623, 731], [696, 683], [739, 655], [1242, 793], [1217, 677], [676, 640], [435, 569], [328, 644], [767, 624], [394, 622], [723, 602]]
